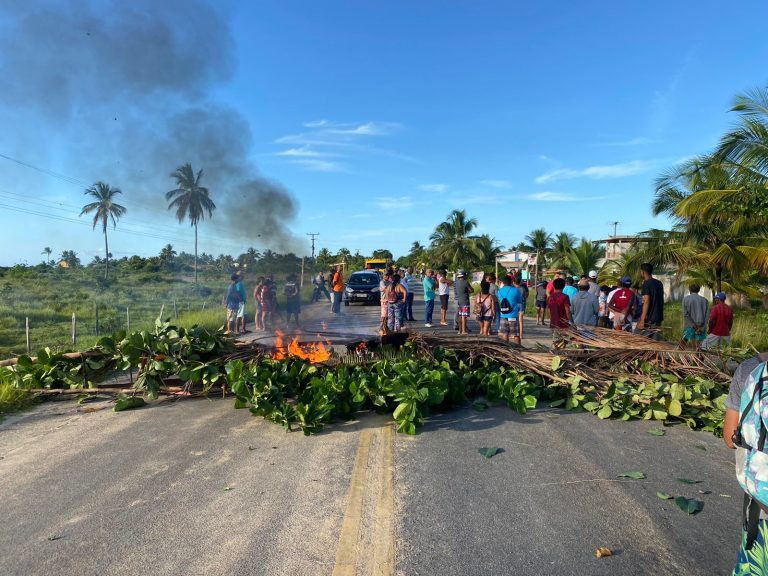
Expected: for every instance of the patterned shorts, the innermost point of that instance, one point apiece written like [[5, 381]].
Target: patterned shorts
[[509, 327], [464, 311]]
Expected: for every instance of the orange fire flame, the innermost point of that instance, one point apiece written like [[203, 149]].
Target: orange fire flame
[[312, 351]]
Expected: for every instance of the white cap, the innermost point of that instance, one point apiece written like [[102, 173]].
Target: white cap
[[592, 274]]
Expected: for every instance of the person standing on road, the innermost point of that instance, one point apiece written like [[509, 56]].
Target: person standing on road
[[585, 305], [653, 303], [462, 289], [408, 292], [747, 561], [337, 285], [292, 299], [395, 296], [232, 302], [258, 320], [486, 307], [319, 282], [240, 321], [429, 284], [695, 315], [493, 290], [411, 282], [570, 290], [720, 323], [541, 302], [559, 306], [384, 283], [593, 286], [510, 299], [443, 289], [620, 303]]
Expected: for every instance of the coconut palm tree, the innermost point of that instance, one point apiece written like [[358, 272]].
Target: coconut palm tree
[[104, 208], [561, 250], [719, 212], [540, 242], [190, 199], [167, 254], [453, 244], [585, 257], [47, 251]]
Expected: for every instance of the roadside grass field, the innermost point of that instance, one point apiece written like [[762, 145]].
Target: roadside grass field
[[49, 296]]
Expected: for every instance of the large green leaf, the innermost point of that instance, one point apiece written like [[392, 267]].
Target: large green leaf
[[632, 475], [489, 452], [689, 505]]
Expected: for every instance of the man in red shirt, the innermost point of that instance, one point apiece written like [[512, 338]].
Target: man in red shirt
[[720, 324], [621, 303], [550, 285], [559, 306]]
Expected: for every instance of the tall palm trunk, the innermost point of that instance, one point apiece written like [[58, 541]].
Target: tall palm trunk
[[195, 253], [719, 277], [106, 253]]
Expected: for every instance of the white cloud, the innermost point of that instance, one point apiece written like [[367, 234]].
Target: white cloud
[[394, 202], [560, 197], [304, 152], [315, 123], [596, 172], [497, 183], [439, 188], [315, 165]]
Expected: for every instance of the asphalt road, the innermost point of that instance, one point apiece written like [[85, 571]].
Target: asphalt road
[[196, 487]]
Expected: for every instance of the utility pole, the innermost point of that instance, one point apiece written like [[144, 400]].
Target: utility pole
[[615, 225], [312, 235]]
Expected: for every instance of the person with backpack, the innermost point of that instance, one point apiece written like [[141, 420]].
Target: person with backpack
[[620, 303], [293, 299], [510, 301], [744, 430]]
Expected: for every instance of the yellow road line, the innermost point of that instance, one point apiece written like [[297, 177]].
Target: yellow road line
[[384, 552], [346, 552], [378, 491]]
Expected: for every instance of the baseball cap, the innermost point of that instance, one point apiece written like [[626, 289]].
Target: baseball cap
[[460, 273], [592, 274], [720, 296], [626, 280]]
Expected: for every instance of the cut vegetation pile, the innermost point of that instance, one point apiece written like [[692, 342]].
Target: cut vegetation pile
[[610, 374]]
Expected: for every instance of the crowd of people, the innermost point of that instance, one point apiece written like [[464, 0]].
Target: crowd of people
[[637, 308]]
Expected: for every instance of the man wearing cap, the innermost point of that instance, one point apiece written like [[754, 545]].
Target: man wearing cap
[[620, 303], [653, 303], [584, 305], [462, 290], [720, 323], [593, 286], [695, 313]]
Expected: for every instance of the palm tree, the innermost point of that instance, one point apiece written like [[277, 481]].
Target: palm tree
[[167, 254], [70, 258], [453, 244], [539, 241], [190, 199], [719, 210], [490, 248], [104, 209], [47, 251], [585, 257], [561, 249]]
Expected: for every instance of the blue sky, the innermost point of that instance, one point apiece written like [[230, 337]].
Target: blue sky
[[379, 118]]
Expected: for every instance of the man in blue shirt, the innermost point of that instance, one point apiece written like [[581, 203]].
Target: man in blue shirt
[[570, 290], [510, 302], [240, 322], [429, 297]]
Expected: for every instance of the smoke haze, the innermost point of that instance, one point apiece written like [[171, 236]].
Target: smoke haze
[[121, 92]]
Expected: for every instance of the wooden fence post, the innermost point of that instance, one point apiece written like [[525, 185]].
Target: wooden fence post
[[204, 303], [74, 329], [26, 329]]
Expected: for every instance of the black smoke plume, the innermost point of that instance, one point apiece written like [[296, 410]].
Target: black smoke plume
[[124, 89]]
